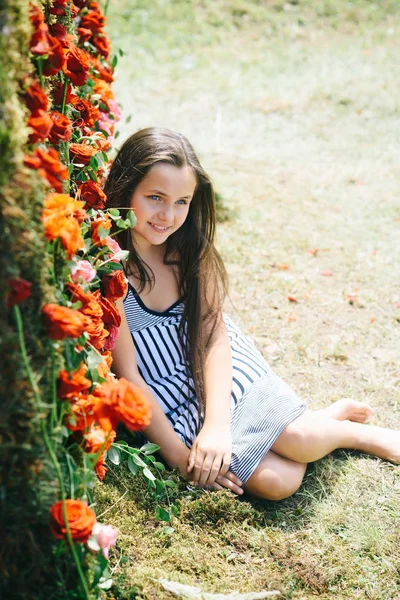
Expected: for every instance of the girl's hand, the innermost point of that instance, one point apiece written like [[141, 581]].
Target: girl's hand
[[210, 455]]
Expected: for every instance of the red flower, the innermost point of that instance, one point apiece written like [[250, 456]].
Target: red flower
[[62, 322], [61, 130], [35, 97], [49, 166], [103, 223], [89, 114], [102, 44], [41, 124], [36, 16], [40, 40], [19, 290], [81, 154], [93, 19], [77, 65], [121, 402], [58, 94], [92, 194], [56, 59], [84, 34], [80, 519], [101, 71], [71, 384], [115, 285]]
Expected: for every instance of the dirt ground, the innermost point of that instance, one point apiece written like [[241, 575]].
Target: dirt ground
[[294, 111]]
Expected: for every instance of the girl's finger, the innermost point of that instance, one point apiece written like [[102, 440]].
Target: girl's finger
[[233, 478], [198, 467], [230, 485], [225, 463], [215, 469], [205, 470], [217, 486], [191, 458]]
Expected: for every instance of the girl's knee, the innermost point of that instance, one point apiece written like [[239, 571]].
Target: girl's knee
[[276, 486]]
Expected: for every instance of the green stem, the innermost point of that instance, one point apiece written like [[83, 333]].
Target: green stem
[[40, 70], [53, 414], [64, 96], [106, 7], [25, 359]]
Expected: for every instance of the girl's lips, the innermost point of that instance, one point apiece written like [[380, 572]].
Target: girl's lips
[[159, 228]]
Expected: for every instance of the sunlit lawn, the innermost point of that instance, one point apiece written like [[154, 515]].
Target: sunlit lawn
[[294, 110]]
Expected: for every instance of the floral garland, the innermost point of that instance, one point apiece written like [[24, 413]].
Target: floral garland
[[71, 122]]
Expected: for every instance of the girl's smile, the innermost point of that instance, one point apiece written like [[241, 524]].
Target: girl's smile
[[161, 203]]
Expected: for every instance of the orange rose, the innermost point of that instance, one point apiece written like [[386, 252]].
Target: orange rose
[[103, 223], [111, 314], [104, 72], [41, 124], [121, 402], [77, 65], [68, 230], [115, 285], [49, 166], [71, 384], [63, 205], [90, 305], [92, 194], [39, 43], [35, 98], [61, 130], [82, 416], [98, 333], [93, 19], [96, 438], [62, 322], [103, 89], [88, 114], [80, 519], [81, 154], [108, 358]]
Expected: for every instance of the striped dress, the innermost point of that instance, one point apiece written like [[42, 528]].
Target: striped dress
[[262, 405]]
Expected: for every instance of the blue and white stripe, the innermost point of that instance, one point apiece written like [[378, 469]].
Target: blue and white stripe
[[262, 405]]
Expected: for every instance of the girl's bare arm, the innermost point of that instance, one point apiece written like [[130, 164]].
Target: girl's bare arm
[[160, 431], [211, 452]]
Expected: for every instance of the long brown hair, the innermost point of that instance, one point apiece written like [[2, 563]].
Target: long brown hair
[[202, 275]]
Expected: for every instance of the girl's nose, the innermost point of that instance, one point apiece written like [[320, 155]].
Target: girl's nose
[[166, 214]]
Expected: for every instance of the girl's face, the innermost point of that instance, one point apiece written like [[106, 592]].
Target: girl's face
[[161, 203]]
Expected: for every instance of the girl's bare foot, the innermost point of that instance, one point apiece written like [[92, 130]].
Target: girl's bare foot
[[347, 409]]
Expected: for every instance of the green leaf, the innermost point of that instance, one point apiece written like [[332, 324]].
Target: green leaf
[[169, 483], [121, 223], [131, 218], [94, 163], [160, 486], [163, 515], [167, 530], [150, 448], [114, 455], [159, 466], [114, 212], [114, 61], [103, 233], [128, 119], [133, 467], [174, 509], [148, 474], [136, 459], [121, 52], [94, 359]]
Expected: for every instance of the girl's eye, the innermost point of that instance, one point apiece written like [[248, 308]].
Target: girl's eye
[[182, 201], [155, 197]]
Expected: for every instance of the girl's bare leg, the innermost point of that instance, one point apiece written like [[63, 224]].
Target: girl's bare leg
[[275, 478], [348, 409], [314, 435]]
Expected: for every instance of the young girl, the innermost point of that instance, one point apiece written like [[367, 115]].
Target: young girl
[[220, 414]]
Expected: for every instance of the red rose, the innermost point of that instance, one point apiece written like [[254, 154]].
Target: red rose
[[62, 322], [93, 19], [61, 130], [81, 153], [35, 97], [89, 114], [40, 42], [59, 91], [115, 285], [41, 124], [49, 166], [92, 194], [80, 518], [102, 44], [56, 59], [104, 72], [77, 65], [19, 290]]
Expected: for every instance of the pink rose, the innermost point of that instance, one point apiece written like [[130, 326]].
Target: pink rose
[[112, 338], [105, 536], [84, 270], [114, 247]]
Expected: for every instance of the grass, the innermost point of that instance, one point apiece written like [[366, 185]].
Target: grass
[[293, 108]]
